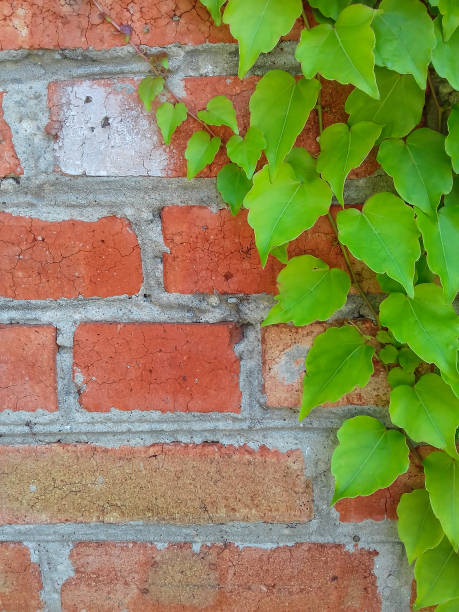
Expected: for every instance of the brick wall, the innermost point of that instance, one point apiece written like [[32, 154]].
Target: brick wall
[[150, 454]]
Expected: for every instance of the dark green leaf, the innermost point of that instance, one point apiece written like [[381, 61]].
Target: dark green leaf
[[149, 87], [399, 108], [169, 117], [442, 482], [343, 53], [330, 8], [200, 151], [388, 354], [280, 253], [280, 211], [436, 573], [399, 376], [383, 245], [408, 360], [420, 168], [388, 285], [384, 337], [279, 108], [404, 38], [450, 11], [418, 527], [452, 140], [214, 8], [428, 412], [445, 54], [308, 291], [369, 457], [338, 361], [342, 149], [233, 186], [449, 606], [220, 111], [258, 25], [245, 152], [427, 323]]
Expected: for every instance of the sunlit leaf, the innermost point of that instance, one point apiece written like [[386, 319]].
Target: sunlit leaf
[[436, 573], [233, 186], [149, 87], [245, 152], [169, 117], [214, 8], [200, 151], [220, 111]]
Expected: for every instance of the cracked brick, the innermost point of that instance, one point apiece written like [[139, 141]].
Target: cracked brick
[[28, 368], [152, 366], [9, 162], [115, 577], [20, 581], [211, 251], [284, 348], [82, 146], [67, 259], [162, 483]]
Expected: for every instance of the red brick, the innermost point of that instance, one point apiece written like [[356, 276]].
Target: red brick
[[20, 582], [284, 348], [9, 162], [28, 368], [216, 252], [93, 120], [162, 483], [111, 577], [43, 259], [152, 366]]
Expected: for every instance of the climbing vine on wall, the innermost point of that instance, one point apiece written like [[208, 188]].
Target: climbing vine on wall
[[393, 52]]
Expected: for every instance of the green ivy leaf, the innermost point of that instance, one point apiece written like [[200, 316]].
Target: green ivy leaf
[[442, 483], [169, 117], [280, 211], [388, 285], [320, 292], [149, 87], [245, 152], [452, 198], [408, 360], [388, 354], [342, 149], [436, 573], [258, 25], [279, 108], [419, 166], [200, 151], [452, 140], [399, 108], [383, 245], [281, 253], [343, 53], [441, 240], [384, 337], [445, 54], [399, 376], [449, 606], [220, 111], [369, 457], [450, 11], [330, 8], [426, 323], [233, 186], [428, 412], [338, 361], [404, 38], [214, 8], [418, 527]]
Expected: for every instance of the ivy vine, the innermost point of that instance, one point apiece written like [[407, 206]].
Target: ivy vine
[[393, 52]]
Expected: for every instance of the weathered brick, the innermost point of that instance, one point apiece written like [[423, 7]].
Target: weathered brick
[[284, 350], [20, 581], [151, 366], [43, 259], [28, 368], [93, 120], [110, 577], [216, 252], [9, 162], [165, 483]]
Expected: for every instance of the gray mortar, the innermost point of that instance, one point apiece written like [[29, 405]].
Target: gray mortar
[[49, 196]]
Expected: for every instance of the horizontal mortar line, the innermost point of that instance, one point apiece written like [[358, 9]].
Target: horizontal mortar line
[[145, 192], [317, 531]]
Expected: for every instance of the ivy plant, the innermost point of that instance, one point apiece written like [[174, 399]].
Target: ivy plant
[[394, 53]]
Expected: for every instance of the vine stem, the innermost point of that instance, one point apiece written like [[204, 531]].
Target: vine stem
[[145, 57], [438, 106]]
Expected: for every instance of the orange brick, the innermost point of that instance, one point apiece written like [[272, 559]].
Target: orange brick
[[20, 582], [28, 368], [162, 483], [43, 259], [92, 120], [9, 162], [284, 350], [152, 366], [216, 252], [111, 577]]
